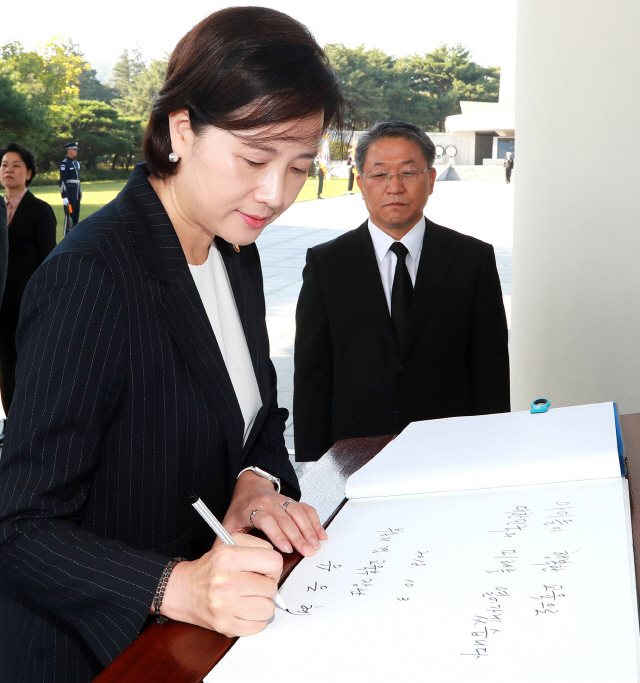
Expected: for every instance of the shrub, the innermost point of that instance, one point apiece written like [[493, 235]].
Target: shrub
[[52, 177]]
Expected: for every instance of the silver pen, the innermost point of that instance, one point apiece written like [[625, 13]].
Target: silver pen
[[222, 533]]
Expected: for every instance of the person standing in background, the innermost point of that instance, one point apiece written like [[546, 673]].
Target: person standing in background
[[508, 167], [351, 176], [351, 166], [4, 251], [70, 186], [320, 173], [31, 236], [400, 319], [322, 164], [4, 247]]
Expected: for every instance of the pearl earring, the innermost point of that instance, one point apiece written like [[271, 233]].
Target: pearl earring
[[173, 157]]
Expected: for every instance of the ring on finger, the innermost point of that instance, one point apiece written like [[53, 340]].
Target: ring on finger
[[253, 513], [286, 502]]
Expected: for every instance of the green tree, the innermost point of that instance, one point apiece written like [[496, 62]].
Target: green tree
[[447, 75], [125, 70], [92, 89], [141, 90], [363, 75], [20, 119], [132, 129], [95, 124], [52, 95], [422, 90], [51, 74]]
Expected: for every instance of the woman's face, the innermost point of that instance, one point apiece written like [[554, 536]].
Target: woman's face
[[234, 184], [13, 172]]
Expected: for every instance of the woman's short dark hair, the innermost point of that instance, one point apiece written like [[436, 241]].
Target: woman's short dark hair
[[27, 157], [394, 129], [241, 68]]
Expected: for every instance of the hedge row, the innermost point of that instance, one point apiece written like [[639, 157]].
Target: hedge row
[[51, 177]]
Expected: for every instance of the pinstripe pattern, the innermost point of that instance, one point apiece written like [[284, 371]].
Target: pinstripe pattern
[[123, 408]]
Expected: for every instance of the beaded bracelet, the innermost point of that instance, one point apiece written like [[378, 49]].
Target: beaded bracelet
[[162, 584]]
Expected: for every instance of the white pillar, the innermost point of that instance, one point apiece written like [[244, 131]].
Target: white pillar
[[576, 260]]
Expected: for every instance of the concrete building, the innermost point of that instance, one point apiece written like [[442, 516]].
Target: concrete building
[[485, 131]]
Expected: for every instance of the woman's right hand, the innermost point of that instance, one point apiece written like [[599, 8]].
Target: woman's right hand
[[230, 589]]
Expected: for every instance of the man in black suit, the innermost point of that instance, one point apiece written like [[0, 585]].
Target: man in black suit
[[508, 167], [377, 348]]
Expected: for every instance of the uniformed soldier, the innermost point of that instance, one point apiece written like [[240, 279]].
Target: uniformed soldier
[[70, 186]]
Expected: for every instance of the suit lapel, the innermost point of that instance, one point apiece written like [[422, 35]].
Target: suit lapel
[[436, 260], [364, 274], [160, 254]]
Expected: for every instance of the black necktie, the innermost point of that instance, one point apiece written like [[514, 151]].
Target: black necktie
[[400, 292]]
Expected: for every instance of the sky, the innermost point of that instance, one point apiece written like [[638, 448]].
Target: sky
[[399, 27]]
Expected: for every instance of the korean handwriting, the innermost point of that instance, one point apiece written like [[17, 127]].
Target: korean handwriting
[[561, 516], [548, 600], [419, 559], [406, 583], [556, 562], [387, 534], [362, 587], [507, 562], [372, 568], [486, 626], [516, 521], [304, 610], [328, 566]]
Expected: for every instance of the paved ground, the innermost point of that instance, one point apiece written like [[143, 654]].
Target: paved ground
[[482, 209]]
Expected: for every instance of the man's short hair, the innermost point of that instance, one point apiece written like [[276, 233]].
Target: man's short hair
[[394, 129], [27, 157]]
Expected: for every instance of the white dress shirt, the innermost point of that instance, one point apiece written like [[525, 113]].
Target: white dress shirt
[[387, 259], [215, 291]]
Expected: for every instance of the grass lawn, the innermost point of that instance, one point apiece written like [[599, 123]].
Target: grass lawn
[[96, 194], [336, 187]]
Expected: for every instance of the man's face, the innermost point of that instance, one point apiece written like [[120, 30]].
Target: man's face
[[72, 153], [395, 206]]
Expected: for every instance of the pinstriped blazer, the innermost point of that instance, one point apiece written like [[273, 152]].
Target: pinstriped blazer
[[123, 408]]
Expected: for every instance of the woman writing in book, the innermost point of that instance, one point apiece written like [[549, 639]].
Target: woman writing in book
[[144, 372]]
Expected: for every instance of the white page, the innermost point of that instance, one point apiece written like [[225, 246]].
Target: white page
[[460, 564], [487, 451]]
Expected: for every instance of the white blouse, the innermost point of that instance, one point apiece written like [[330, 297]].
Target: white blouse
[[215, 291]]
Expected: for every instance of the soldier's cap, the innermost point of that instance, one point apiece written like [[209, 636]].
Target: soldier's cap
[[71, 145]]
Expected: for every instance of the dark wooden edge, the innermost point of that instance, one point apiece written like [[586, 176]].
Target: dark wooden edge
[[182, 653]]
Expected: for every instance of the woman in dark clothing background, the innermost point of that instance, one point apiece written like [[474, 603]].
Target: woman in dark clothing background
[[31, 225]]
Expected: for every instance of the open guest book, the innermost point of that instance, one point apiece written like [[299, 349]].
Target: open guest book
[[488, 548]]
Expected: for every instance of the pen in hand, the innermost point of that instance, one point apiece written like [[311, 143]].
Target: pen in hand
[[222, 533]]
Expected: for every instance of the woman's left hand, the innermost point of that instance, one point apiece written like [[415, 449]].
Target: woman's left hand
[[296, 525]]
